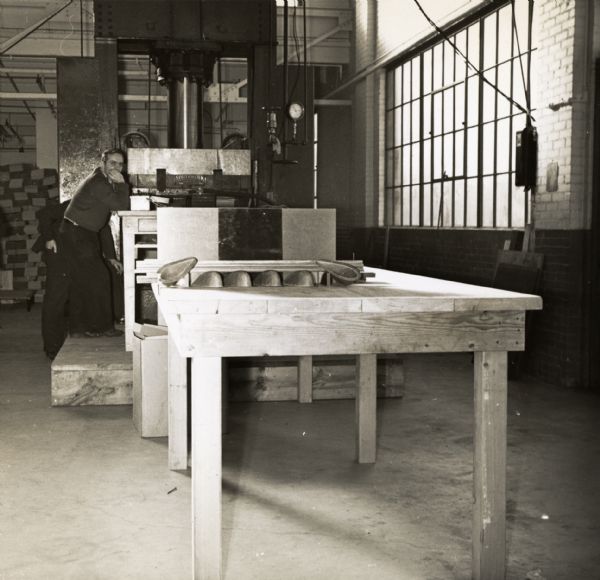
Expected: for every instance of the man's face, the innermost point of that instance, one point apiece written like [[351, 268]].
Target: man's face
[[114, 162]]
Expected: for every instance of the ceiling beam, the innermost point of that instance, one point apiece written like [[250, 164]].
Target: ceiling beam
[[8, 44]]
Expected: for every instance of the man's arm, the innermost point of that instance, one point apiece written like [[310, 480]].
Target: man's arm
[[107, 243], [48, 222], [108, 248]]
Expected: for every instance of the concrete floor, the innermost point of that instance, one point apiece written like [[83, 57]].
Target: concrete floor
[[82, 497]]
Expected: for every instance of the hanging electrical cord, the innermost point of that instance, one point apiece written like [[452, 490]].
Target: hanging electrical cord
[[297, 49], [220, 98], [514, 26], [470, 64]]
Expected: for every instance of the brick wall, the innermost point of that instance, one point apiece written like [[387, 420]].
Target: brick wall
[[24, 189], [562, 73], [556, 348]]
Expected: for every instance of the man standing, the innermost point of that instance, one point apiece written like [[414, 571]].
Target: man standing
[[55, 308], [103, 191]]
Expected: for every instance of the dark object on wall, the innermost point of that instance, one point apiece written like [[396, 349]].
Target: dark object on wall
[[526, 157], [552, 177]]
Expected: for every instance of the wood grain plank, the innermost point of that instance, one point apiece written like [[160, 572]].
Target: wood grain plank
[[489, 477], [206, 467], [305, 379], [177, 402], [325, 333], [366, 408]]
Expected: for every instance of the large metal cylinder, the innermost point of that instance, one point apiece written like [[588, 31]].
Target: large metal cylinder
[[185, 114]]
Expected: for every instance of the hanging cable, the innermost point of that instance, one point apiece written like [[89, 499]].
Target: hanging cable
[[220, 98], [469, 63], [514, 25]]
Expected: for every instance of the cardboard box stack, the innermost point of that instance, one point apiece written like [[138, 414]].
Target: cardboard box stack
[[24, 189]]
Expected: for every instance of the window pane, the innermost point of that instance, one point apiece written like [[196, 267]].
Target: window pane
[[459, 106], [407, 205], [427, 205], [416, 128], [427, 116], [522, 21], [460, 40], [448, 155], [448, 63], [415, 205], [397, 167], [519, 84], [448, 110], [437, 113], [426, 72], [489, 41], [472, 151], [488, 202], [406, 165], [472, 101], [488, 148], [437, 158], [416, 77], [502, 145], [446, 190], [398, 86], [502, 201], [398, 126], [504, 33], [489, 98], [427, 160], [459, 203], [436, 199], [472, 202], [407, 94], [474, 46], [504, 86], [406, 124], [415, 158], [459, 153], [398, 206], [438, 65]]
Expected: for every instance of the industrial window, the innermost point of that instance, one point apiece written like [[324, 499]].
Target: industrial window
[[450, 136]]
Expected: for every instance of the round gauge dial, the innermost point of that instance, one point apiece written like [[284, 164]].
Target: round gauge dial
[[295, 111]]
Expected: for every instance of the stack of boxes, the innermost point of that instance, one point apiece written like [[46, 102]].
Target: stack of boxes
[[24, 189]]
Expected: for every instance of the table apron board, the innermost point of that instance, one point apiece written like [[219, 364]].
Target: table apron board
[[233, 335]]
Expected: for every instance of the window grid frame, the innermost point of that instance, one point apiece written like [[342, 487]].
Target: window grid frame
[[444, 213]]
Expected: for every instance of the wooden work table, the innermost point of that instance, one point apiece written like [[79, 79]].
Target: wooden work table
[[392, 313]]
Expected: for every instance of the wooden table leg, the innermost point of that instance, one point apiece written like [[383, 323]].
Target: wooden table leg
[[206, 467], [489, 475], [366, 407], [305, 367], [224, 394], [177, 400]]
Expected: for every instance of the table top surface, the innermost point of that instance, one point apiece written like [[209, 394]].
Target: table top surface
[[386, 292]]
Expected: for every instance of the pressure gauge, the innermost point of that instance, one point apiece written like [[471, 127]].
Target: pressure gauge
[[295, 111]]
